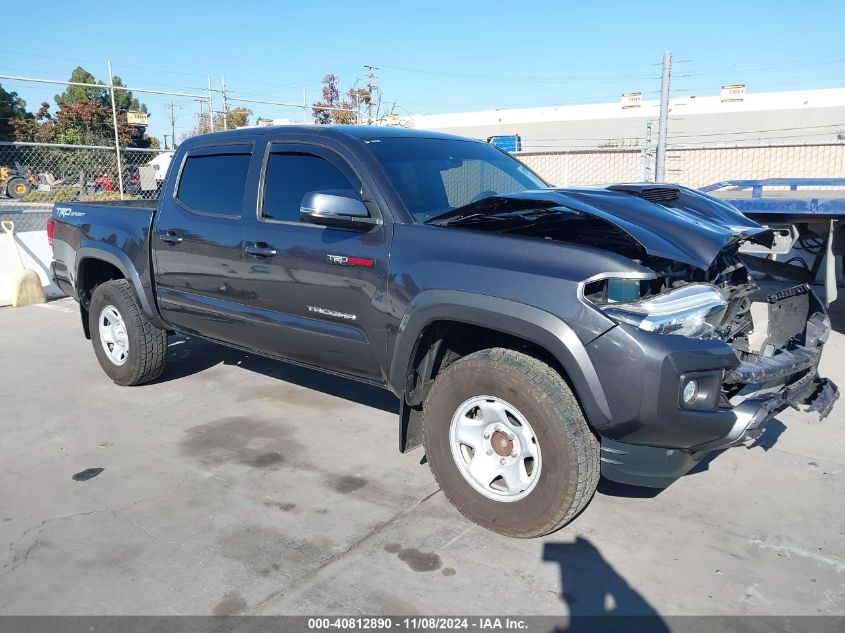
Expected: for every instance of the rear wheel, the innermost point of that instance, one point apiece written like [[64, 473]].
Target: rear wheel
[[130, 349], [508, 444], [18, 187]]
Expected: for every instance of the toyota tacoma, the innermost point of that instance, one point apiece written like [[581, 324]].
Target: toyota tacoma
[[536, 337]]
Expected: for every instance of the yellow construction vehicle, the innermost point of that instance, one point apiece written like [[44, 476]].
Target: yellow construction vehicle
[[16, 181]]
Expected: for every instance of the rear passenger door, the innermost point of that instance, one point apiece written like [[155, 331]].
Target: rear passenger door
[[198, 242], [316, 290]]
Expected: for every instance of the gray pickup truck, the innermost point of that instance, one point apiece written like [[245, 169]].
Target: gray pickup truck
[[536, 337]]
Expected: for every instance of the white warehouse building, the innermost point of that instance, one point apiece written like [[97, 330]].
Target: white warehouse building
[[736, 117], [733, 136]]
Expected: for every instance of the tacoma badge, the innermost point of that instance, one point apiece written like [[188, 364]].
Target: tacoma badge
[[332, 313]]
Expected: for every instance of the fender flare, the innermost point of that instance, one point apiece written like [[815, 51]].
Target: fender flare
[[120, 260], [510, 317]]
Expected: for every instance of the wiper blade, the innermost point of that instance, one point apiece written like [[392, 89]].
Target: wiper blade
[[493, 206], [523, 216], [473, 217]]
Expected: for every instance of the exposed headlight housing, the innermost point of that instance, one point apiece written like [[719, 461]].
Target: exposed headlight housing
[[694, 310]]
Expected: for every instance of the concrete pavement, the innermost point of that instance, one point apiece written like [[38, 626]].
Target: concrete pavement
[[237, 484]]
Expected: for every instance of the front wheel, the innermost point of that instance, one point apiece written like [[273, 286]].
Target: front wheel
[[508, 444], [131, 350]]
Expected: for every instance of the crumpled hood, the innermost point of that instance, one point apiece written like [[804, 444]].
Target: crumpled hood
[[693, 231]]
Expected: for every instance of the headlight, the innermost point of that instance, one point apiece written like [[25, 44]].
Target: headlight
[[694, 310]]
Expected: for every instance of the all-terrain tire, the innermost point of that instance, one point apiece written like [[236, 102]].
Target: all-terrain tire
[[147, 345], [569, 451]]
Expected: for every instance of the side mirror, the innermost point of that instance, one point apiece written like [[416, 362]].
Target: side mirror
[[335, 207]]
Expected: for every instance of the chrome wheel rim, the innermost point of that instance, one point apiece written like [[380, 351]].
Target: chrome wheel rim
[[495, 448], [113, 335]]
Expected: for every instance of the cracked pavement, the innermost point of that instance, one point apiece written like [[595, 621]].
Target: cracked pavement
[[237, 485]]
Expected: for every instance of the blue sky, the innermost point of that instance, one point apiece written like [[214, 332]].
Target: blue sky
[[433, 56]]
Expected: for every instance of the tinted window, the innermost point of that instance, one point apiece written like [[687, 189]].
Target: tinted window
[[290, 176], [214, 183]]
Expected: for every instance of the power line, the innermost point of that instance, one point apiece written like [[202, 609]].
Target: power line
[[694, 135], [782, 129], [827, 61], [518, 78], [77, 61]]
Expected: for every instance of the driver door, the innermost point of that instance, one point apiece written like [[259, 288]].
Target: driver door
[[313, 289]]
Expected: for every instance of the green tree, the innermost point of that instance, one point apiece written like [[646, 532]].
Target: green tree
[[85, 115], [151, 141], [124, 100], [40, 128], [12, 108], [73, 94]]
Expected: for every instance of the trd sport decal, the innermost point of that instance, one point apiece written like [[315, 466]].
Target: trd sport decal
[[343, 260]]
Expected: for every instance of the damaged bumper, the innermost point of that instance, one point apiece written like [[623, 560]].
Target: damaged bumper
[[657, 437]]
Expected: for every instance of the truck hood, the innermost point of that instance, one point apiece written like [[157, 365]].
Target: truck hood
[[684, 226]]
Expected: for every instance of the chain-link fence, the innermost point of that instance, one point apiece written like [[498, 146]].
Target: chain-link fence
[[693, 166], [586, 167], [700, 166], [33, 174], [25, 221]]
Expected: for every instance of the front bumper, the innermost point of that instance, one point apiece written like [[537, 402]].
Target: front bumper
[[653, 437]]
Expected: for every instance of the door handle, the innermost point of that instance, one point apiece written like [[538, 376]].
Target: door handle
[[170, 237], [259, 249]]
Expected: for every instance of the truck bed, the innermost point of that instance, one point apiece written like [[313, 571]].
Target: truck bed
[[116, 230]]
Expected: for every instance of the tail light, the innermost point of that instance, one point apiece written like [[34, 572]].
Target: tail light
[[51, 229]]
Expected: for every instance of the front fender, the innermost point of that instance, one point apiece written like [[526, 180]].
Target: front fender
[[503, 315]]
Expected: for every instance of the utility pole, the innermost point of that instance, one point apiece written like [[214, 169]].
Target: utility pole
[[663, 125], [173, 117], [210, 106], [116, 133], [225, 102], [648, 155], [371, 85], [304, 105], [201, 116]]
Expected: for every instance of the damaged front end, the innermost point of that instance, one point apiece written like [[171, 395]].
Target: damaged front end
[[700, 355], [750, 350], [776, 335], [779, 353]]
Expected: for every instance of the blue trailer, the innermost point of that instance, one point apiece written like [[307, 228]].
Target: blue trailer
[[810, 210]]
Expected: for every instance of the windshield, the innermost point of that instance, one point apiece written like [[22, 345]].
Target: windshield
[[436, 176]]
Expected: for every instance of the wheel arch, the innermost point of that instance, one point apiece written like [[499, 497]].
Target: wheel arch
[[95, 259], [541, 330]]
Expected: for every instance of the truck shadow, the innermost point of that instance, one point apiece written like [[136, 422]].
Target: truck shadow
[[187, 356], [590, 587]]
